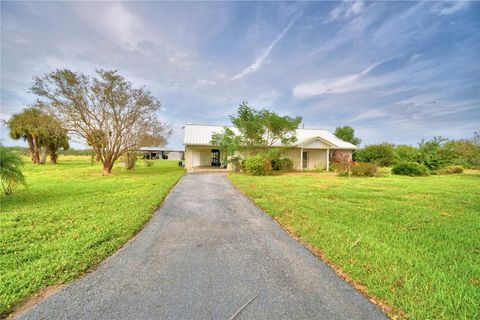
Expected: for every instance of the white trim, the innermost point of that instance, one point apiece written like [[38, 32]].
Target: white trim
[[328, 159], [301, 158]]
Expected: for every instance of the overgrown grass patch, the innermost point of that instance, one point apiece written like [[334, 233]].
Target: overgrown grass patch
[[413, 242], [71, 218]]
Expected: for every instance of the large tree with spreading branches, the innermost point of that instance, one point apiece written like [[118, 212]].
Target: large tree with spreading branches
[[105, 110]]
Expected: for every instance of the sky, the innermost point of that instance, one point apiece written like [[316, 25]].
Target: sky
[[395, 71]]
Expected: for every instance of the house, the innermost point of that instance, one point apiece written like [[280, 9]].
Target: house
[[313, 149], [161, 153]]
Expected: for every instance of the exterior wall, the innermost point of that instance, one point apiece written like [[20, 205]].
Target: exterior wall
[[198, 156], [175, 155], [317, 158]]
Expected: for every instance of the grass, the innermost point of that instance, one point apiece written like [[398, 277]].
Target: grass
[[70, 219], [412, 242]]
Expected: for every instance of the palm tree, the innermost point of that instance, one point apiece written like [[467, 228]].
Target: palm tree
[[26, 125], [10, 172]]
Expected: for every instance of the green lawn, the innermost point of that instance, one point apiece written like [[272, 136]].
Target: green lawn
[[71, 218], [413, 242]]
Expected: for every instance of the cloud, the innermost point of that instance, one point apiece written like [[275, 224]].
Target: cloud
[[114, 21], [345, 10], [337, 85], [447, 8], [265, 53]]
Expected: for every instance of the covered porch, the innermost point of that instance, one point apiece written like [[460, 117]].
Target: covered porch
[[313, 153], [198, 158]]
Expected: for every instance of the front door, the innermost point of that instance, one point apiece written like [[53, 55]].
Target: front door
[[215, 158], [305, 160]]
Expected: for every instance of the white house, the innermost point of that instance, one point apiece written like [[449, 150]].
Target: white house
[[313, 148]]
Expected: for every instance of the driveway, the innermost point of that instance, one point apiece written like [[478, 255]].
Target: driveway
[[206, 253]]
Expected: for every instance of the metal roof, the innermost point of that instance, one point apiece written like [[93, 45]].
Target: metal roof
[[158, 149], [196, 134]]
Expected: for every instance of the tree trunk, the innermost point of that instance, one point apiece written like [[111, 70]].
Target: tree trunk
[[97, 156], [31, 148], [36, 152], [53, 156], [44, 155], [107, 167]]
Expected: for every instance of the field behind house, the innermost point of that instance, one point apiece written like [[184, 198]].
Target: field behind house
[[71, 218], [414, 243]]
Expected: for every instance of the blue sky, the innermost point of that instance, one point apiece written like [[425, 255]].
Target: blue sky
[[395, 71]]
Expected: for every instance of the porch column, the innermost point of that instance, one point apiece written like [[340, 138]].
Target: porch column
[[328, 159], [301, 158]]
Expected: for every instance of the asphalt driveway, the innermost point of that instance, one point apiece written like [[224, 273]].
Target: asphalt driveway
[[205, 254]]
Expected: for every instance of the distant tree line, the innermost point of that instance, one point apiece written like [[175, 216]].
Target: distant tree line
[[434, 154]]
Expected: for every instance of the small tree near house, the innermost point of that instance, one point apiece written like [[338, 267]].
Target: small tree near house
[[104, 110]]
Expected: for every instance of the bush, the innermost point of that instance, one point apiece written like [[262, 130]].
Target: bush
[[129, 158], [434, 154], [406, 153], [258, 165], [283, 164], [450, 170], [410, 169], [10, 170], [362, 169], [148, 163], [380, 154]]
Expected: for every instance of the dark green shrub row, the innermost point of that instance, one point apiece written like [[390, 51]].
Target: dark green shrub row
[[410, 169]]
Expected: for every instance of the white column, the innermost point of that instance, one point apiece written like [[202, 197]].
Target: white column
[[301, 158], [328, 159]]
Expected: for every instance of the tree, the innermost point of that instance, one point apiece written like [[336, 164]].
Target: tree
[[406, 153], [105, 110], [44, 134], [347, 133], [10, 170], [228, 143], [434, 154], [263, 129], [381, 154], [26, 125]]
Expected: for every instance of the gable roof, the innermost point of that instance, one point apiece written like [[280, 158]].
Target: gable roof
[[196, 134]]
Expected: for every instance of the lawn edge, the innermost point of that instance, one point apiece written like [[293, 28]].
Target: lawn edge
[[392, 312], [43, 293]]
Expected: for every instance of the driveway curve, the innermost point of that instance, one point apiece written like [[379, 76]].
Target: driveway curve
[[205, 254]]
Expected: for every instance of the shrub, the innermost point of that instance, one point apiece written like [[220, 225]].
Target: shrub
[[342, 168], [362, 169], [10, 170], [406, 153], [148, 163], [435, 154], [410, 169], [129, 158], [283, 164], [466, 153], [258, 165], [450, 170], [380, 154]]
